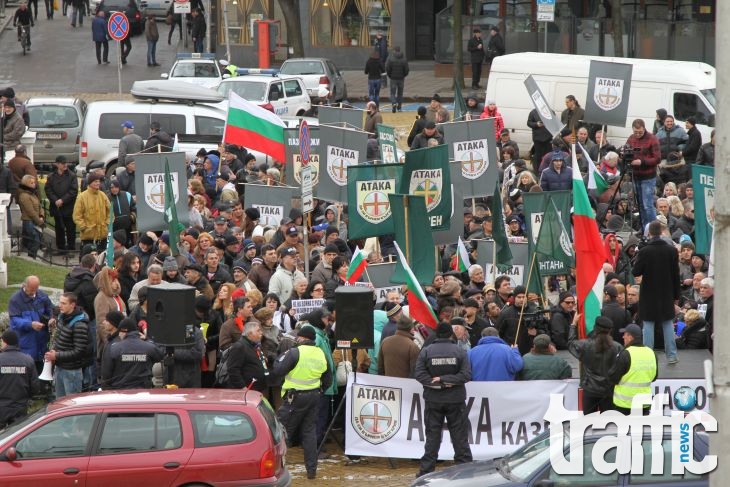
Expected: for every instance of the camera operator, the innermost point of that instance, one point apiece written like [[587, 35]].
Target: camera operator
[[643, 164], [509, 317]]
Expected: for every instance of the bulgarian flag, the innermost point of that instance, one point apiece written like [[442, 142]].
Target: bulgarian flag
[[462, 257], [595, 178], [590, 254], [254, 128], [418, 306], [357, 266]]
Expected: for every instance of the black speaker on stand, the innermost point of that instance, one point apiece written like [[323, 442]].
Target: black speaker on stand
[[170, 314], [354, 327]]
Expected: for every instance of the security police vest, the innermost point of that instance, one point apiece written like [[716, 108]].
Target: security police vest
[[638, 379], [308, 371]]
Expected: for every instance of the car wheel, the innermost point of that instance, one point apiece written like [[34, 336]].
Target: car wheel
[[344, 94], [111, 169]]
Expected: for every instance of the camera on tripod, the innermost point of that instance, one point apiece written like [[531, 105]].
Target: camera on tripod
[[627, 154]]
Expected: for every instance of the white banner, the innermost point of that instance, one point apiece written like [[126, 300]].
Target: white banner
[[385, 416]]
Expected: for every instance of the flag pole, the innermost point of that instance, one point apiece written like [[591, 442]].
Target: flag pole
[[408, 239], [494, 260], [524, 303]]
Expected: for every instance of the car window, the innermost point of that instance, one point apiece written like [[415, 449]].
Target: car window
[[590, 475], [666, 476], [248, 90], [209, 126], [292, 88], [302, 67], [110, 124], [221, 428], [691, 105], [128, 433], [332, 67], [206, 70], [63, 437], [270, 418], [170, 123], [275, 92], [183, 70], [50, 116]]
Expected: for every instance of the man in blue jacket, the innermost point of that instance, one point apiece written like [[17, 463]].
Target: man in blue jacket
[[30, 309], [493, 360]]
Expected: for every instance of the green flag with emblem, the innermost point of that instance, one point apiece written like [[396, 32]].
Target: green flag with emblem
[[426, 173], [368, 188]]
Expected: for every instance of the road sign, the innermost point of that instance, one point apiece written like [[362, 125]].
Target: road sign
[[181, 7], [546, 10], [305, 142], [307, 198], [118, 26]]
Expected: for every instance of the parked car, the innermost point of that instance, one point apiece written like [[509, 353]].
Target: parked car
[[530, 466], [57, 122], [159, 437], [195, 68], [317, 73], [128, 7], [158, 8], [281, 96]]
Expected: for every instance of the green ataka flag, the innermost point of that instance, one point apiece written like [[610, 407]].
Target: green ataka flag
[[703, 183], [413, 233], [553, 242], [388, 146], [110, 241], [368, 188], [503, 259], [459, 103], [427, 173], [174, 227]]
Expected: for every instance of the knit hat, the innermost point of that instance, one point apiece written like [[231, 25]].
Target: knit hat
[[564, 295], [170, 264], [252, 213], [471, 303], [436, 97], [115, 317], [128, 324], [604, 322], [392, 309], [230, 240], [308, 332], [146, 239], [331, 248], [611, 291], [331, 229], [120, 236]]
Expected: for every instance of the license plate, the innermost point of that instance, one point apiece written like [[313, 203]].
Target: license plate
[[49, 135]]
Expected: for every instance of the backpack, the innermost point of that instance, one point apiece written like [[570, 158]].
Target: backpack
[[222, 377]]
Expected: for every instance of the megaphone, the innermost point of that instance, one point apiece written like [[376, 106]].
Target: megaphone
[[47, 373]]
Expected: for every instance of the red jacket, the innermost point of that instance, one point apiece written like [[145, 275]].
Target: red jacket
[[649, 154]]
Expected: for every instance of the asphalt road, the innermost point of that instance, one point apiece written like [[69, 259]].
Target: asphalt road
[[63, 59]]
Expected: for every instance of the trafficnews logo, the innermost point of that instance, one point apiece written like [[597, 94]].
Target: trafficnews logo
[[630, 433]]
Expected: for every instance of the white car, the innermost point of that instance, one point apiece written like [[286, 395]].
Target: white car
[[285, 97], [195, 68], [319, 74]]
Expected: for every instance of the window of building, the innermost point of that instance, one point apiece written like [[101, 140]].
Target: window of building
[[348, 22], [242, 15]]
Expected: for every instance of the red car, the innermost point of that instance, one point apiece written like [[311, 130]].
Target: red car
[[155, 437]]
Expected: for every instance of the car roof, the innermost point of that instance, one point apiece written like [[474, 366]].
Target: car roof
[[307, 59], [51, 100], [196, 61], [253, 77], [164, 397]]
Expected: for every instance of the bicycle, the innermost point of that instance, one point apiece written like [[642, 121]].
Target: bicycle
[[24, 38]]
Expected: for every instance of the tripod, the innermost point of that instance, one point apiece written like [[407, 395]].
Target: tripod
[[634, 202]]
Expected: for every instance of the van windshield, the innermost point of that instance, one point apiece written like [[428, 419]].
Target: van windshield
[[710, 97]]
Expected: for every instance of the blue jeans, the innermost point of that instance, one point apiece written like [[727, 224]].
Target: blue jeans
[[31, 238], [645, 191], [198, 45], [396, 92], [68, 381], [374, 91], [77, 12], [151, 48], [670, 346]]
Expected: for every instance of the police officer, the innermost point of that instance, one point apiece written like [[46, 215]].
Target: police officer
[[18, 379], [306, 374], [127, 364], [229, 68], [443, 369], [635, 369]]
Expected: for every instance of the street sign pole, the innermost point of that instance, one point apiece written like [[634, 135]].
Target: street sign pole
[[546, 14], [119, 67], [118, 29], [305, 147]]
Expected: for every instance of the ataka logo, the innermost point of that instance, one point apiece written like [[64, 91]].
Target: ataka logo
[[608, 93], [710, 206], [473, 156], [542, 106], [372, 199], [565, 244], [338, 160], [313, 163], [154, 190], [427, 183], [375, 412]]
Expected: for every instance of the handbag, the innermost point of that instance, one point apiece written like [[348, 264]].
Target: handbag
[[168, 19], [344, 368]]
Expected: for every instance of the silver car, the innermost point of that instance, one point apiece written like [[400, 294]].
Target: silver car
[[318, 74], [57, 122]]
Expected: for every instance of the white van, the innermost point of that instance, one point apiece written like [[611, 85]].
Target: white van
[[682, 88], [102, 127]]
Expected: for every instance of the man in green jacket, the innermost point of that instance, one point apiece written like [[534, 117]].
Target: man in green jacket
[[542, 363]]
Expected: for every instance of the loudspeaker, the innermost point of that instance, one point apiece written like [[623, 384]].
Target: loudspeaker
[[171, 313], [354, 326]]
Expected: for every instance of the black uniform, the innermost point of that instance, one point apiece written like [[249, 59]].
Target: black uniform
[[246, 361], [444, 399], [128, 364], [18, 383]]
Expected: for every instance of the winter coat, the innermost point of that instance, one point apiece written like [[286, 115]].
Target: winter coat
[[692, 148], [498, 120], [371, 123], [706, 155], [539, 366], [91, 214], [397, 66], [30, 205], [244, 364], [560, 327], [13, 130], [374, 69], [695, 336], [420, 141], [493, 360], [670, 141], [24, 310], [552, 180], [198, 27], [80, 281], [649, 154], [187, 362], [475, 46], [381, 47], [64, 187], [150, 30], [71, 341], [618, 315], [282, 282], [160, 138], [572, 118], [658, 264], [430, 364], [539, 133], [398, 355], [99, 30], [594, 379]]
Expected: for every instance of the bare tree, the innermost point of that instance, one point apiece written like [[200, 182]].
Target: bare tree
[[618, 28], [458, 44], [293, 23]]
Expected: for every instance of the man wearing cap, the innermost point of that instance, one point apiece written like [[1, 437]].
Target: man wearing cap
[[515, 226], [495, 46], [443, 369], [111, 327], [323, 272], [225, 189], [20, 165], [130, 143], [509, 318], [62, 188], [504, 142], [542, 363], [91, 214], [429, 133], [306, 374], [635, 369], [128, 365], [144, 248], [18, 380], [475, 324], [291, 239], [398, 353], [475, 46], [433, 108], [658, 265], [249, 252], [393, 311], [220, 228], [282, 281], [158, 137], [233, 250], [195, 276]]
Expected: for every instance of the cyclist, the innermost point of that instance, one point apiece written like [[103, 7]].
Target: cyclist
[[23, 18]]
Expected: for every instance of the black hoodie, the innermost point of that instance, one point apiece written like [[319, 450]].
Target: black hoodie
[[80, 282]]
